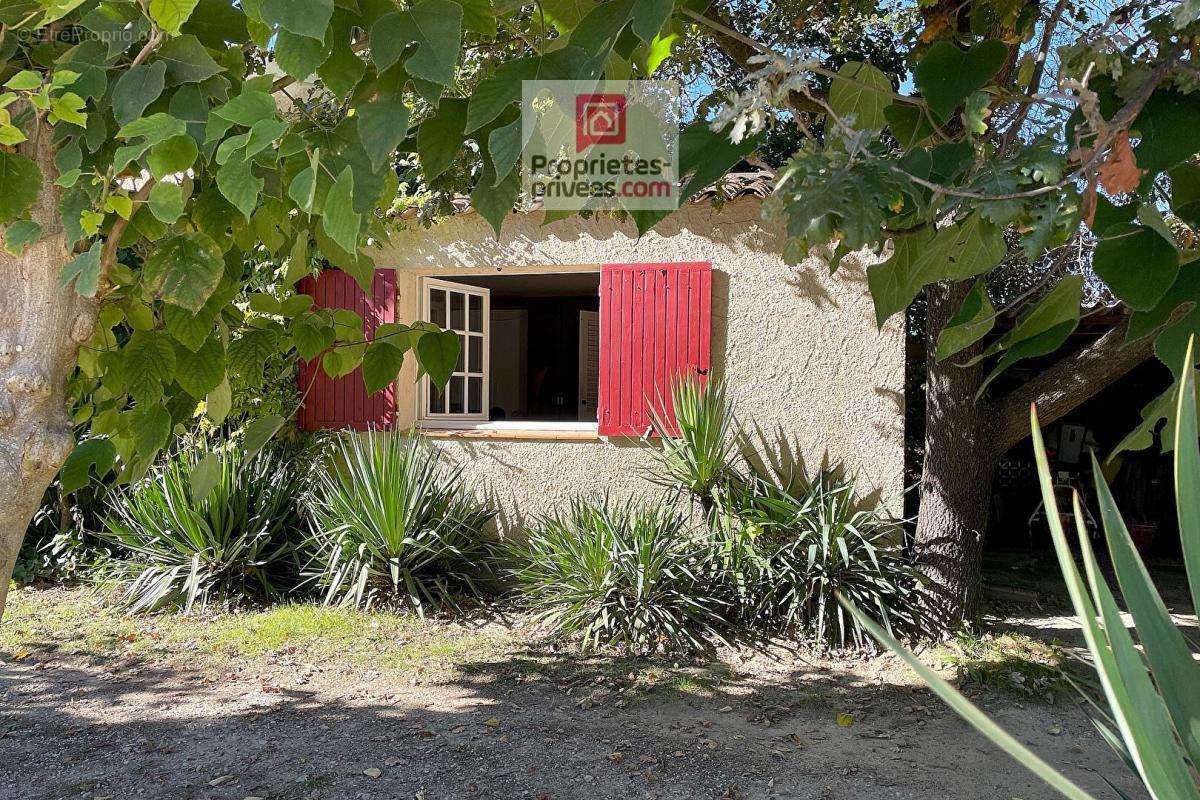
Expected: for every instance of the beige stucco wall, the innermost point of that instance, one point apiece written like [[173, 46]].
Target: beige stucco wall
[[798, 349]]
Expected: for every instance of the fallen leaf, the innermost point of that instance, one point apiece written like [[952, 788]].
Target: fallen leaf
[[1119, 173], [725, 709], [372, 772], [492, 722], [844, 720], [617, 758], [1055, 730], [21, 656], [221, 780]]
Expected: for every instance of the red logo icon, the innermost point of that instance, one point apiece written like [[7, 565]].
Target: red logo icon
[[599, 119]]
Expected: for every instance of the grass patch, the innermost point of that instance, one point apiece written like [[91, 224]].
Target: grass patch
[[1010, 662], [77, 622]]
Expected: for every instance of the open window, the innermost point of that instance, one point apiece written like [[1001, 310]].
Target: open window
[[530, 351], [578, 351]]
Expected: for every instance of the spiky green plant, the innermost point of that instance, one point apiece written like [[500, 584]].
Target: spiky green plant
[[1153, 714], [394, 524], [617, 575], [695, 453], [174, 547]]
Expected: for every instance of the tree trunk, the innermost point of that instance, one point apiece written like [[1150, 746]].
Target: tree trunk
[[956, 482], [41, 326]]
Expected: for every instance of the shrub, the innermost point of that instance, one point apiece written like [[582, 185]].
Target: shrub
[[780, 544], [236, 543], [625, 576], [392, 523]]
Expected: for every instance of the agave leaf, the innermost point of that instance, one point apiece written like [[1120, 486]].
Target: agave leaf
[[971, 712], [1175, 671], [1140, 727], [1187, 474]]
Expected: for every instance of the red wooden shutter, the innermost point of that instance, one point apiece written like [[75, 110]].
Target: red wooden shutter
[[343, 402], [655, 324]]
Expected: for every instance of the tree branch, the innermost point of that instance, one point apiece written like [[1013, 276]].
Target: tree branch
[[1069, 382]]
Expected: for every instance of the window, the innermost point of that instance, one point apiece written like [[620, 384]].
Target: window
[[575, 351], [466, 311]]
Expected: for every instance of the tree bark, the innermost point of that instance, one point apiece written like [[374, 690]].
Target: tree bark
[[41, 327], [956, 481]]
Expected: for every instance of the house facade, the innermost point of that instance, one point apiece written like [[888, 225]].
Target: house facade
[[572, 331]]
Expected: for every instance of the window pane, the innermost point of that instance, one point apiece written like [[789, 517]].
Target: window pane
[[437, 307], [475, 316], [456, 394], [475, 395], [462, 354], [457, 319], [475, 354], [437, 400]]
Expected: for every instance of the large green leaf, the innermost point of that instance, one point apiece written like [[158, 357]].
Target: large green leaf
[[170, 15], [186, 269], [946, 73], [97, 454], [1167, 125], [440, 137], [1136, 263], [150, 424], [382, 125], [176, 154], [339, 218], [973, 320], [434, 26], [188, 61], [303, 17], [148, 362], [299, 56], [859, 94], [137, 88], [437, 352], [381, 364], [202, 371], [261, 431], [20, 183], [239, 184]]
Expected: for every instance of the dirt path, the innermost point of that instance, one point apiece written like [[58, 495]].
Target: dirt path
[[512, 725]]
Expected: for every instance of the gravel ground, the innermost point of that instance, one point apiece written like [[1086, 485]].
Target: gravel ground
[[516, 721]]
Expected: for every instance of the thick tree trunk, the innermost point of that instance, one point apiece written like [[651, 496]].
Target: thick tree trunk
[[957, 480], [41, 326]]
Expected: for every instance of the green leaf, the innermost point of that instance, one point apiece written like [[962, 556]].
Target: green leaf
[[435, 26], [1187, 475], [240, 185], [478, 16], [170, 15], [493, 200], [24, 80], [299, 56], [1039, 331], [1175, 672], [204, 476], [150, 423], [21, 234], [176, 154], [973, 320], [1167, 125], [437, 352], [84, 270], [862, 93], [20, 184], [947, 74], [185, 270], [249, 353], [68, 107], [343, 69], [97, 454], [440, 137], [166, 202], [957, 252], [261, 431], [382, 125], [339, 220], [1137, 264], [1185, 193], [219, 402], [148, 362], [137, 88], [302, 17], [202, 371], [188, 61], [381, 364], [311, 336], [155, 128]]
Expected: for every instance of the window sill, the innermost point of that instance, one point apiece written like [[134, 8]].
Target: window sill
[[515, 431]]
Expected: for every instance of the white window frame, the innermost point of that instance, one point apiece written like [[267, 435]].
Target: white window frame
[[427, 418]]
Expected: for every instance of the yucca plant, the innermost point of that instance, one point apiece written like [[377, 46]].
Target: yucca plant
[[394, 524], [695, 453], [174, 546], [617, 575], [1153, 715]]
